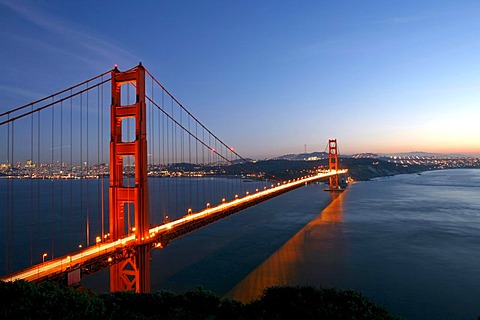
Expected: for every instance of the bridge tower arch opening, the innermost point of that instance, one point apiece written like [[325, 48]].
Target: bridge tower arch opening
[[133, 274]]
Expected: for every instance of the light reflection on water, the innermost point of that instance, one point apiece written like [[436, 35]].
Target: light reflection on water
[[293, 258]]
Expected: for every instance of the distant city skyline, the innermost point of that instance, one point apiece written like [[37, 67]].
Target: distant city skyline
[[269, 77]]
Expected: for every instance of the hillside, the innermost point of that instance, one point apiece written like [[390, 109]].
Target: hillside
[[359, 169]]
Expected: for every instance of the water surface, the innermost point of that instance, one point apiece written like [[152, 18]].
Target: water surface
[[409, 242]]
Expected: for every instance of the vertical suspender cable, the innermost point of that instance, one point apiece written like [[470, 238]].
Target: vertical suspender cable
[[31, 190], [234, 178], [8, 199], [168, 184], [197, 165], [9, 203], [216, 176], [182, 161], [87, 176], [191, 167], [39, 209], [164, 162], [81, 156], [205, 199], [173, 195], [99, 176], [102, 191], [52, 168], [61, 181], [71, 172], [12, 233]]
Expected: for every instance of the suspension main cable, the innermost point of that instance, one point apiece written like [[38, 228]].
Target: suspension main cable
[[52, 103], [55, 94]]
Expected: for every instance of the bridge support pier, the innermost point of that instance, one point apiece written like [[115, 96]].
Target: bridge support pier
[[132, 274]]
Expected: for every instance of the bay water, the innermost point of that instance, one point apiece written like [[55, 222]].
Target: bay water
[[409, 242]]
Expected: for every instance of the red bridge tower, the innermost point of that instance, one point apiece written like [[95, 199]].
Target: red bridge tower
[[333, 163], [133, 273]]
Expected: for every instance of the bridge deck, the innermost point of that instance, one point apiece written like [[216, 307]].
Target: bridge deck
[[104, 254]]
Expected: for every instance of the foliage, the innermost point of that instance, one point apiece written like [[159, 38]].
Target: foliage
[[312, 303], [24, 300]]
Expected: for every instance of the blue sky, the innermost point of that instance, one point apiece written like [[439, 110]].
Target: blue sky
[[270, 76]]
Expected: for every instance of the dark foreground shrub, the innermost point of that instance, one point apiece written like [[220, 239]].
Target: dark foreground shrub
[[23, 300], [313, 303]]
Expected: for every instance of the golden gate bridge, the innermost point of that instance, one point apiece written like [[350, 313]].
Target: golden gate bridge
[[55, 205]]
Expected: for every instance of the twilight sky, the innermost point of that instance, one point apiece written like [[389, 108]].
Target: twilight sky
[[269, 76]]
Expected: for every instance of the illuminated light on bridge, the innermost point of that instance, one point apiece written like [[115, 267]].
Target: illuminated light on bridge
[[128, 161]]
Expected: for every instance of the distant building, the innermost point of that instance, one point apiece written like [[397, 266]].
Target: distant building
[[30, 164], [5, 165]]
